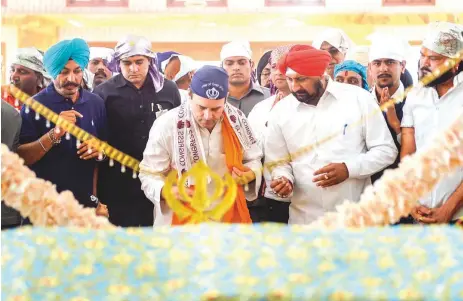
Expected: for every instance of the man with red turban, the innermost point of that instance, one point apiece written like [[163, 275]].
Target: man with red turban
[[319, 108]]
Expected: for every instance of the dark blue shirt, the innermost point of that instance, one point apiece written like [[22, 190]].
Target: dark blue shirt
[[61, 165]]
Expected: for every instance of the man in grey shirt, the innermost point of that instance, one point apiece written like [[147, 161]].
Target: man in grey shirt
[[244, 93], [11, 126]]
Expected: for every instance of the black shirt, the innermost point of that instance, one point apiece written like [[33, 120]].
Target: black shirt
[[131, 113]]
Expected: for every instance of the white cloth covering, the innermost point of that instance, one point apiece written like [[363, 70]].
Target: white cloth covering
[[236, 48]]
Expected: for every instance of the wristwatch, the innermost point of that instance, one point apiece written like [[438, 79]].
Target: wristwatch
[[52, 136]]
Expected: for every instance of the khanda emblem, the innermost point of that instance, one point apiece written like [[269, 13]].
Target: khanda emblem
[[196, 209], [212, 93]]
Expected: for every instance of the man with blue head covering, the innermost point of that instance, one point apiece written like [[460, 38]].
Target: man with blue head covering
[[352, 73], [134, 98], [67, 163], [208, 129]]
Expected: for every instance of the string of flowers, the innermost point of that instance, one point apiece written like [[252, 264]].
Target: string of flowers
[[396, 193], [38, 199]]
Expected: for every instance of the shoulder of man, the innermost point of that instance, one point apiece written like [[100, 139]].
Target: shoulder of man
[[109, 85]]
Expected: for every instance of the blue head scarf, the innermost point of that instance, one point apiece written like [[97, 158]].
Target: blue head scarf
[[210, 82], [355, 67], [164, 56], [57, 56]]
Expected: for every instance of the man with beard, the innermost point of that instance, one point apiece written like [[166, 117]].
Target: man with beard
[[98, 65], [387, 64], [277, 207], [333, 171], [134, 98], [27, 74], [244, 92], [67, 163], [337, 43], [430, 110]]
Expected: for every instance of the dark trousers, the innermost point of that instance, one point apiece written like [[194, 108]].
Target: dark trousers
[[268, 210]]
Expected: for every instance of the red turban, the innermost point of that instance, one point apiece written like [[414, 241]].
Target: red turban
[[305, 60]]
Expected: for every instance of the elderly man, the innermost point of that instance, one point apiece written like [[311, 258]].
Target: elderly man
[[180, 69], [352, 73], [431, 109], [337, 43], [221, 138], [244, 92], [387, 64], [134, 99], [338, 169], [27, 74], [67, 163]]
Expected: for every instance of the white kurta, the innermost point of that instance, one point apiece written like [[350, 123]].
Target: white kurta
[[258, 119], [429, 115], [159, 155], [365, 149]]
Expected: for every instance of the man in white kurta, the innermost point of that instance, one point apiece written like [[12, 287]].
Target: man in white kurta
[[335, 170], [429, 111], [200, 120]]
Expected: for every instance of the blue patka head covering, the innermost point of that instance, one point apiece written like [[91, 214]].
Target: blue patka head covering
[[57, 56], [210, 82], [355, 67]]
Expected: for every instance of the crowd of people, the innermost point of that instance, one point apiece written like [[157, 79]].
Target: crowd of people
[[161, 110]]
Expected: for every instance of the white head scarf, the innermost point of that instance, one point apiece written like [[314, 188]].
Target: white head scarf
[[187, 64], [101, 52], [444, 38], [32, 58], [388, 47], [236, 48], [335, 37]]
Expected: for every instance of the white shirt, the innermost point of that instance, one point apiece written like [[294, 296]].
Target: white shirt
[[430, 115], [365, 149], [258, 119], [184, 95], [158, 156]]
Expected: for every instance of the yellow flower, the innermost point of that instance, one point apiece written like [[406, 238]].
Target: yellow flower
[[409, 294], [246, 280], [84, 269], [211, 295], [299, 278], [326, 266], [59, 254], [119, 289], [274, 240], [297, 254], [48, 281], [447, 262], [206, 265], [341, 296], [94, 244], [358, 255], [322, 242], [410, 251], [19, 298], [44, 240], [266, 262], [160, 242], [6, 257], [145, 269], [175, 284], [372, 282], [423, 275], [134, 231], [179, 255], [123, 258], [79, 299], [388, 239], [386, 262]]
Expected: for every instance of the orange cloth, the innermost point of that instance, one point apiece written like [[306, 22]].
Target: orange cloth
[[6, 96], [305, 60], [239, 212]]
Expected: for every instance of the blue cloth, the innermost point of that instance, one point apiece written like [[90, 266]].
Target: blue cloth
[[355, 67], [162, 56], [57, 56], [210, 82], [61, 165], [233, 262]]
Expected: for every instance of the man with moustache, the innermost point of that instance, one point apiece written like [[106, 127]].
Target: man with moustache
[[67, 163], [27, 74], [387, 64], [134, 99], [430, 110], [98, 65], [337, 43], [244, 92], [339, 169], [278, 208]]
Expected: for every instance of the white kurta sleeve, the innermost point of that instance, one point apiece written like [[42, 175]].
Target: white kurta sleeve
[[275, 149], [252, 158], [407, 118], [381, 150], [255, 122]]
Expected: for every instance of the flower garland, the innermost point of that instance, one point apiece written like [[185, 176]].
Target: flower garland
[[38, 199], [395, 194]]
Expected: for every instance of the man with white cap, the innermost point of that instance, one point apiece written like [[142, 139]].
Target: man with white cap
[[244, 92], [337, 43], [431, 109], [134, 99], [98, 65], [180, 69], [386, 65], [205, 128], [27, 74]]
